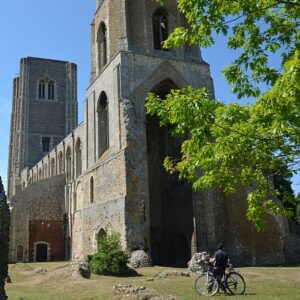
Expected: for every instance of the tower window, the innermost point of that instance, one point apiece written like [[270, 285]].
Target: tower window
[[102, 46], [160, 28], [42, 89], [46, 144], [51, 90]]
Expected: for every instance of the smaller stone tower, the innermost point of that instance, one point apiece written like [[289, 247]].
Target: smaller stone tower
[[44, 111]]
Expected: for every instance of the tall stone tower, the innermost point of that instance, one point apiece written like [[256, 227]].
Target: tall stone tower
[[44, 111], [128, 62]]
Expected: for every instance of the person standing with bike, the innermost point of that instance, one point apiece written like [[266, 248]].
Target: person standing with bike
[[220, 261], [214, 277]]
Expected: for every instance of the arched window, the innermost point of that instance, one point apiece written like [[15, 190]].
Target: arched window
[[53, 167], [51, 90], [60, 163], [102, 46], [42, 89], [160, 28], [69, 164], [78, 158], [79, 197], [40, 174], [103, 128], [91, 189], [45, 171]]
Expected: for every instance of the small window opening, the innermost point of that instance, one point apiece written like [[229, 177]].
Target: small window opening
[[46, 144]]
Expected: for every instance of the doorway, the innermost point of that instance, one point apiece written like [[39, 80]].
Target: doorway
[[41, 252]]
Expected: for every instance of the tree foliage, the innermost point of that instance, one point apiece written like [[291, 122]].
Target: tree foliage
[[256, 28], [232, 145], [4, 239]]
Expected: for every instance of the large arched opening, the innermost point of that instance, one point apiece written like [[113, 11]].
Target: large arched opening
[[170, 200]]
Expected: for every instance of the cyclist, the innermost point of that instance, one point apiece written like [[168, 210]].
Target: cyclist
[[220, 262]]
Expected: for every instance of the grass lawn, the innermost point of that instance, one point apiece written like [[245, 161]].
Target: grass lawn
[[262, 283]]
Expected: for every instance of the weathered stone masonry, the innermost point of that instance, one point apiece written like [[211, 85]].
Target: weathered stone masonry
[[106, 174]]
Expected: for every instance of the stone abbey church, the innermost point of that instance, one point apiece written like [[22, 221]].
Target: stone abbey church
[[70, 184]]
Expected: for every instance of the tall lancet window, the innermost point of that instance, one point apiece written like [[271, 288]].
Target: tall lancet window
[[42, 89], [78, 158], [92, 190], [51, 90], [69, 164], [160, 28], [102, 46], [103, 128]]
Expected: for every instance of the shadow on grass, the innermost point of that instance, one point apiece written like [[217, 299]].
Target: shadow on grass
[[130, 273]]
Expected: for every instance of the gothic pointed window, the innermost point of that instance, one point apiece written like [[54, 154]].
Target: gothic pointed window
[[60, 163], [160, 28], [102, 120], [42, 89], [78, 158], [102, 46], [69, 164], [51, 90], [53, 173], [92, 190]]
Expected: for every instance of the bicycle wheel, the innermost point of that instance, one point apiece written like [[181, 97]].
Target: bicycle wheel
[[206, 285], [235, 283]]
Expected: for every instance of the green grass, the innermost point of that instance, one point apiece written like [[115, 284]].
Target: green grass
[[262, 283]]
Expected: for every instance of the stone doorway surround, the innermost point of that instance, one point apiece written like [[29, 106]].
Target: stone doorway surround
[[35, 250]]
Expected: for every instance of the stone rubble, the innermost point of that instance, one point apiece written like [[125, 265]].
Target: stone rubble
[[197, 262], [140, 259], [80, 269], [130, 292]]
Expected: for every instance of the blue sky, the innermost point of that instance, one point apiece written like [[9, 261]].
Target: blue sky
[[60, 29]]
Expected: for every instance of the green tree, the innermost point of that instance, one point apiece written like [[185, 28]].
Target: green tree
[[4, 239], [232, 145], [110, 258]]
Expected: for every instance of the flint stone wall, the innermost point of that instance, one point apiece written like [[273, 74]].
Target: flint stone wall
[[43, 200]]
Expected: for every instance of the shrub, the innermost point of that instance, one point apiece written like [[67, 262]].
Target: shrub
[[110, 258]]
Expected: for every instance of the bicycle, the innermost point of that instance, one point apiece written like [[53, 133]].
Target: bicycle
[[208, 284]]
